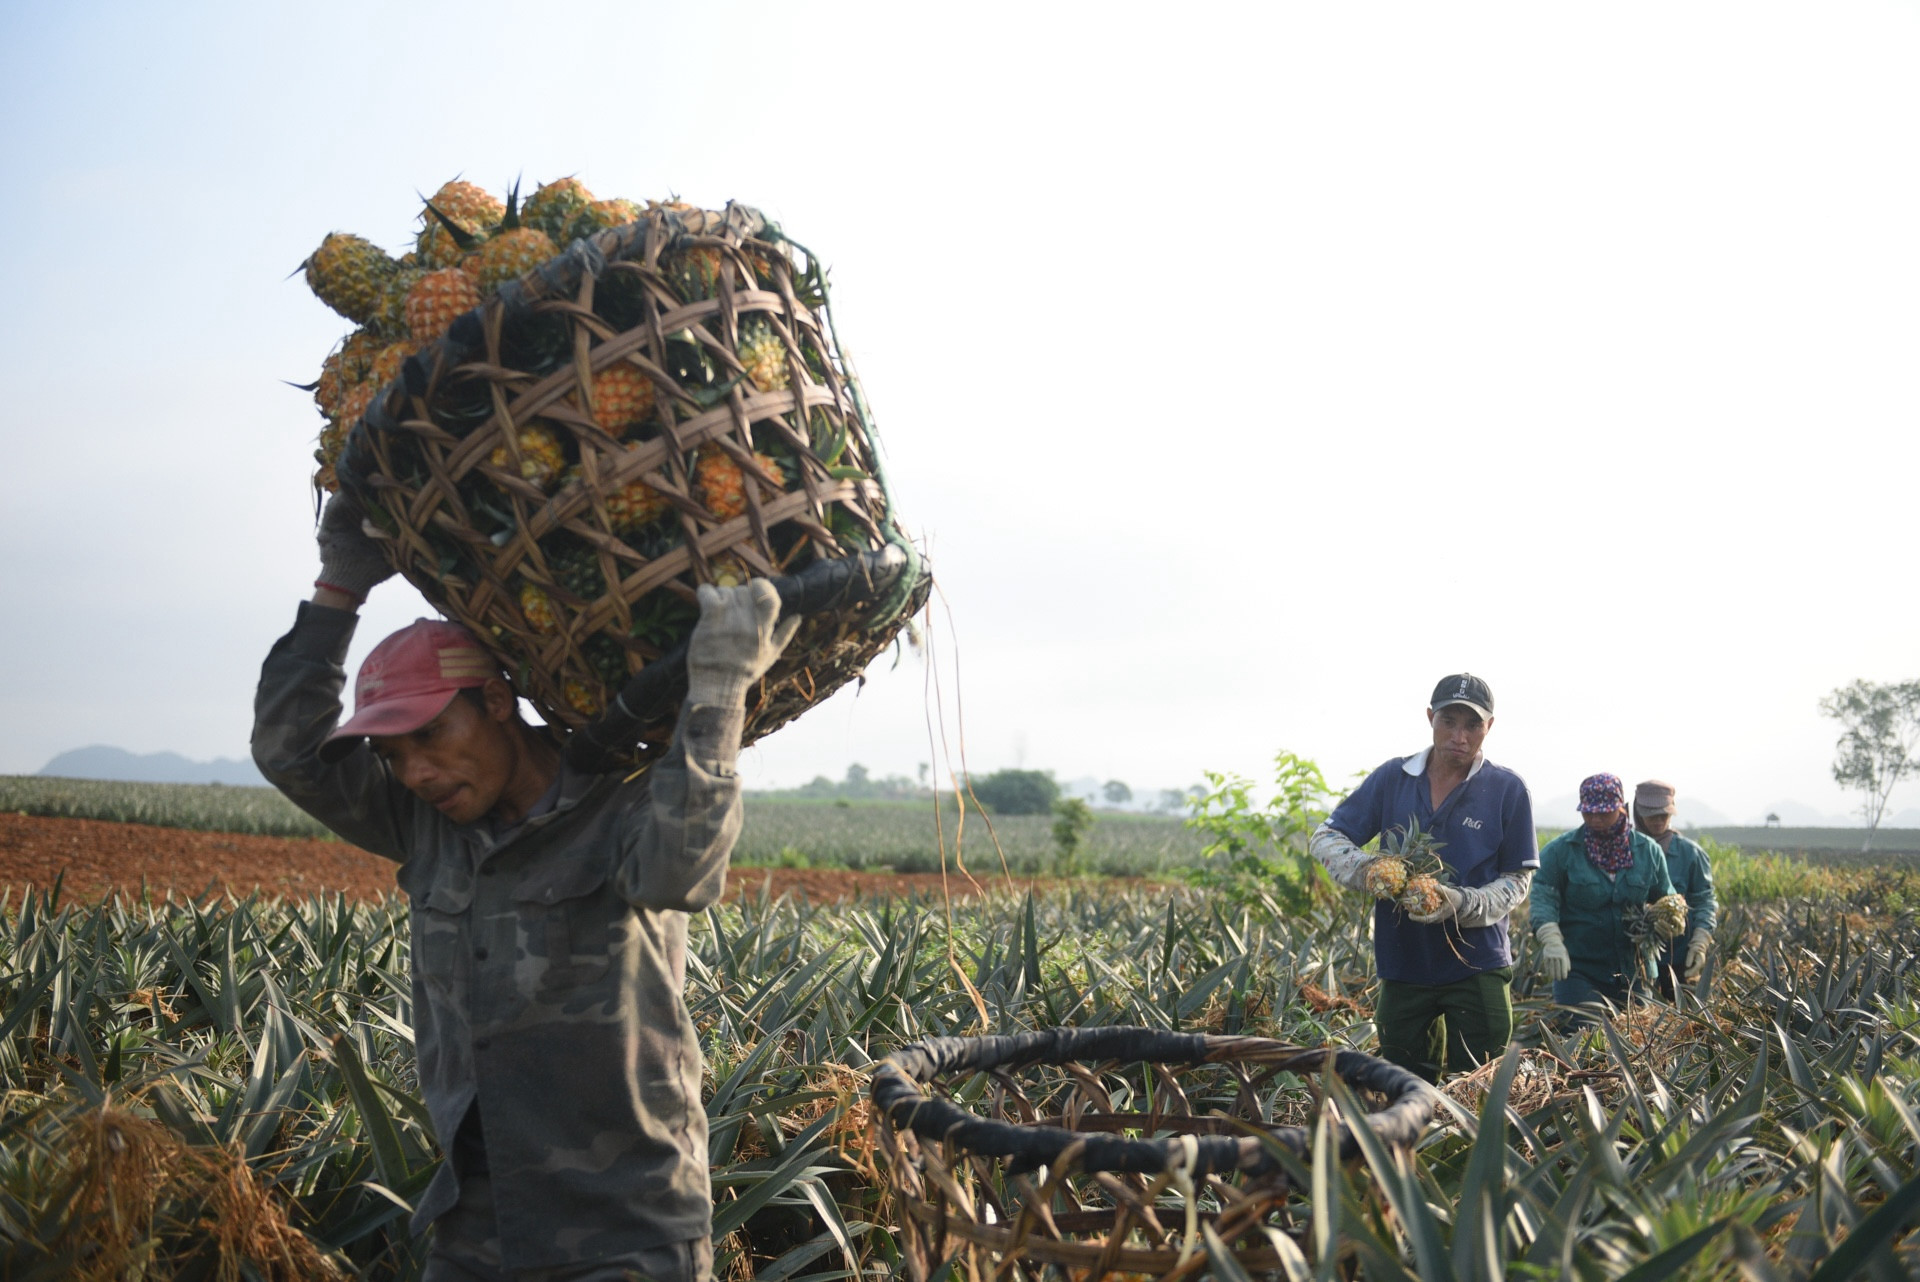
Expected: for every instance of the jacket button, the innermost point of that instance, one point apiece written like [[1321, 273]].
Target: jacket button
[[480, 954], [480, 1043]]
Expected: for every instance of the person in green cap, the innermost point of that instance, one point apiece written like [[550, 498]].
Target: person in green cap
[[1588, 877], [1692, 873]]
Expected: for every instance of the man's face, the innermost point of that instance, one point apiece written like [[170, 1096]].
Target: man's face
[[1655, 825], [459, 762], [1457, 733]]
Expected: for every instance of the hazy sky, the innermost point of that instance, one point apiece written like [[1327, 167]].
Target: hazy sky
[[1244, 369]]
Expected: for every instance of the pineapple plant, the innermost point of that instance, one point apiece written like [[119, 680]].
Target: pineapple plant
[[349, 274]]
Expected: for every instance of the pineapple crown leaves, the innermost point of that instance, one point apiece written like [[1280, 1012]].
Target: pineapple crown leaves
[[466, 240], [511, 222]]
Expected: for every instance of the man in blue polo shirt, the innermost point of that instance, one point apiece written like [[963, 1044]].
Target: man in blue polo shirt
[[1444, 975]]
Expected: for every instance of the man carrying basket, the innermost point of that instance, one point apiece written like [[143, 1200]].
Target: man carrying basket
[[557, 1058]]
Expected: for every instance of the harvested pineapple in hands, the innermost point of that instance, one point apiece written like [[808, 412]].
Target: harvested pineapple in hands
[[1669, 916], [1427, 899], [1410, 873], [1385, 876]]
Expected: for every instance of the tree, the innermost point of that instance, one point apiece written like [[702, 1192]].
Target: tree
[[1262, 845], [1017, 792], [1116, 793], [1879, 742], [1071, 819]]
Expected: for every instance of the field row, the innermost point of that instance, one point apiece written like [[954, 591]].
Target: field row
[[1776, 1126]]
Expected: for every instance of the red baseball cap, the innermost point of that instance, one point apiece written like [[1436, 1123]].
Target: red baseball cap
[[408, 680]]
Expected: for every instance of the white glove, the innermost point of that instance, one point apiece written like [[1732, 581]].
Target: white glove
[[350, 562], [1696, 955], [1450, 902], [1555, 964], [735, 642]]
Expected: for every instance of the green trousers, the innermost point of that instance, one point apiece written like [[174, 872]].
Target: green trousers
[[1468, 1021]]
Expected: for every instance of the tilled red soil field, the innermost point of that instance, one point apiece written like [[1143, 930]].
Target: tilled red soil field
[[99, 858]]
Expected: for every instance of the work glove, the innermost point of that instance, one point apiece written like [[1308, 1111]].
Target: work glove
[[1696, 955], [1449, 907], [1555, 964], [350, 561], [735, 642]]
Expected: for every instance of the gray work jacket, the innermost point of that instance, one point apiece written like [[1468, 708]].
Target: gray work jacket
[[549, 968]]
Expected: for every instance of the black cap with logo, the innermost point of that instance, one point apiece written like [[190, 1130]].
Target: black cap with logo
[[1466, 689]]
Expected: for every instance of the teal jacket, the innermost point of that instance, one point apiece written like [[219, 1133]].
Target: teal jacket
[[1692, 875], [1570, 890]]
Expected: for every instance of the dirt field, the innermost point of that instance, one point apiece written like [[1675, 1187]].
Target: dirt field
[[101, 857]]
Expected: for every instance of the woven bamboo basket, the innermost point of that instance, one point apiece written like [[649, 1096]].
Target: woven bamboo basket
[[1100, 1151], [579, 571]]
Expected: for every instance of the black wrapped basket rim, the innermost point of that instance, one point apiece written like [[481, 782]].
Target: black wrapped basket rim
[[898, 1098]]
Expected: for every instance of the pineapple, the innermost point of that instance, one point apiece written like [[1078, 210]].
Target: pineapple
[[579, 697], [729, 571], [555, 206], [472, 209], [694, 272], [1422, 895], [345, 369], [436, 300], [1669, 915], [387, 362], [622, 396], [1386, 876], [390, 318], [634, 505], [541, 457], [355, 402], [538, 609], [333, 438], [576, 568], [719, 483], [1408, 871], [511, 255], [601, 215], [349, 273], [764, 356]]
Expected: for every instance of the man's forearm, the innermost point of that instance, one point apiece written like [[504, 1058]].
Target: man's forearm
[[1491, 904], [1336, 852], [678, 858]]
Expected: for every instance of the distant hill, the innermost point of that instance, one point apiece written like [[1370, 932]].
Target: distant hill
[[102, 762]]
